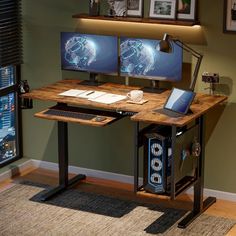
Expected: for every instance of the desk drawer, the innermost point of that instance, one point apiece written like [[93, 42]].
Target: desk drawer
[[79, 115]]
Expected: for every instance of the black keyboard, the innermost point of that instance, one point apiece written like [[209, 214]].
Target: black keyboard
[[77, 115], [168, 113]]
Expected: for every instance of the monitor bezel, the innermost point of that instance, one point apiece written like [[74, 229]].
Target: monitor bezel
[[157, 78], [91, 71]]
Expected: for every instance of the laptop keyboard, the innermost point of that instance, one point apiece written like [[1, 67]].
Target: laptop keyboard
[[168, 113], [70, 114]]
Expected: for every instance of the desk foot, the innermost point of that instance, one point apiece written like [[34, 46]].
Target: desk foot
[[194, 214], [75, 180], [53, 192]]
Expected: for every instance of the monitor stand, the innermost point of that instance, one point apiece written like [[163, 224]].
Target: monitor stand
[[92, 80], [154, 88]]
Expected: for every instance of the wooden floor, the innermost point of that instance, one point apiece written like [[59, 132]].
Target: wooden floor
[[220, 208]]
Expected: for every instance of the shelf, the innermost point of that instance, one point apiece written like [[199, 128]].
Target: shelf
[[137, 20], [181, 186]]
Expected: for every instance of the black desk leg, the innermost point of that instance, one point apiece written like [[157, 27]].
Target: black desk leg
[[63, 153], [136, 156], [173, 144], [199, 206], [64, 181]]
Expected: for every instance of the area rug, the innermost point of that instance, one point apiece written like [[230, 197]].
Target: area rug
[[81, 213]]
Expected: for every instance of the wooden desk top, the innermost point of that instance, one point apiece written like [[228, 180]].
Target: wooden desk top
[[201, 104]]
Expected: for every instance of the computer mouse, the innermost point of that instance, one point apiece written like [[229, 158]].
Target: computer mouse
[[100, 118]]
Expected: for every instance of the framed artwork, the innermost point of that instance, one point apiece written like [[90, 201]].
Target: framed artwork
[[162, 9], [135, 8], [229, 16], [187, 9], [117, 7], [94, 7]]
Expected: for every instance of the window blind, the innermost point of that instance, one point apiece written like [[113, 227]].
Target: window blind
[[10, 32]]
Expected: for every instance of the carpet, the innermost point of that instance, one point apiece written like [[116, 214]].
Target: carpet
[[81, 213]]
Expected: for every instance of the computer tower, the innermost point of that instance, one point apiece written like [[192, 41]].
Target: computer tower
[[155, 152], [158, 157]]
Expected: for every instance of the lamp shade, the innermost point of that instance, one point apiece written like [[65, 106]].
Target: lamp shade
[[165, 45]]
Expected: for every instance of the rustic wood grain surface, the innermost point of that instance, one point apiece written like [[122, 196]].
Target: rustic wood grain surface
[[92, 122], [145, 113]]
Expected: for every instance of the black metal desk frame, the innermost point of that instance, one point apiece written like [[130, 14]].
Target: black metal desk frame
[[64, 182], [199, 206]]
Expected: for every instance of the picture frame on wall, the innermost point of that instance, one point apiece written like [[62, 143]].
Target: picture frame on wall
[[187, 9], [94, 7], [163, 9], [117, 7], [135, 8], [229, 25]]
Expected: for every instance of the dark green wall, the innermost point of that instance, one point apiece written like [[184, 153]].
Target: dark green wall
[[110, 148]]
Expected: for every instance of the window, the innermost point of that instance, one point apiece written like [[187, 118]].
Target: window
[[10, 60]]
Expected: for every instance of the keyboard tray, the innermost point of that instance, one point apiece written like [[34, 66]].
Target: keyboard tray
[[78, 115], [70, 114]]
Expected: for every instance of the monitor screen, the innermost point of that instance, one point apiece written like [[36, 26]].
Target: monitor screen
[[140, 58], [91, 53], [179, 100]]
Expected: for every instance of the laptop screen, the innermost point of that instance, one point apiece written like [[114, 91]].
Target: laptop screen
[[179, 100]]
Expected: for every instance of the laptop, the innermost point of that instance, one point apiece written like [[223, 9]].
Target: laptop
[[178, 103]]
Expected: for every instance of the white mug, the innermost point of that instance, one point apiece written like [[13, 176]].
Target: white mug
[[135, 95]]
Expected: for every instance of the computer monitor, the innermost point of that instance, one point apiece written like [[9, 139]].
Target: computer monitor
[[90, 53], [140, 58]]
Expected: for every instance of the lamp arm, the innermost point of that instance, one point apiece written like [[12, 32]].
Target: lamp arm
[[195, 73], [195, 54], [187, 48]]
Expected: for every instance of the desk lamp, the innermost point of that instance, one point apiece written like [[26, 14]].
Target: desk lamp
[[165, 46]]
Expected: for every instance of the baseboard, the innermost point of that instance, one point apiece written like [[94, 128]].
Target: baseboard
[[16, 169], [215, 193], [103, 175], [89, 172]]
